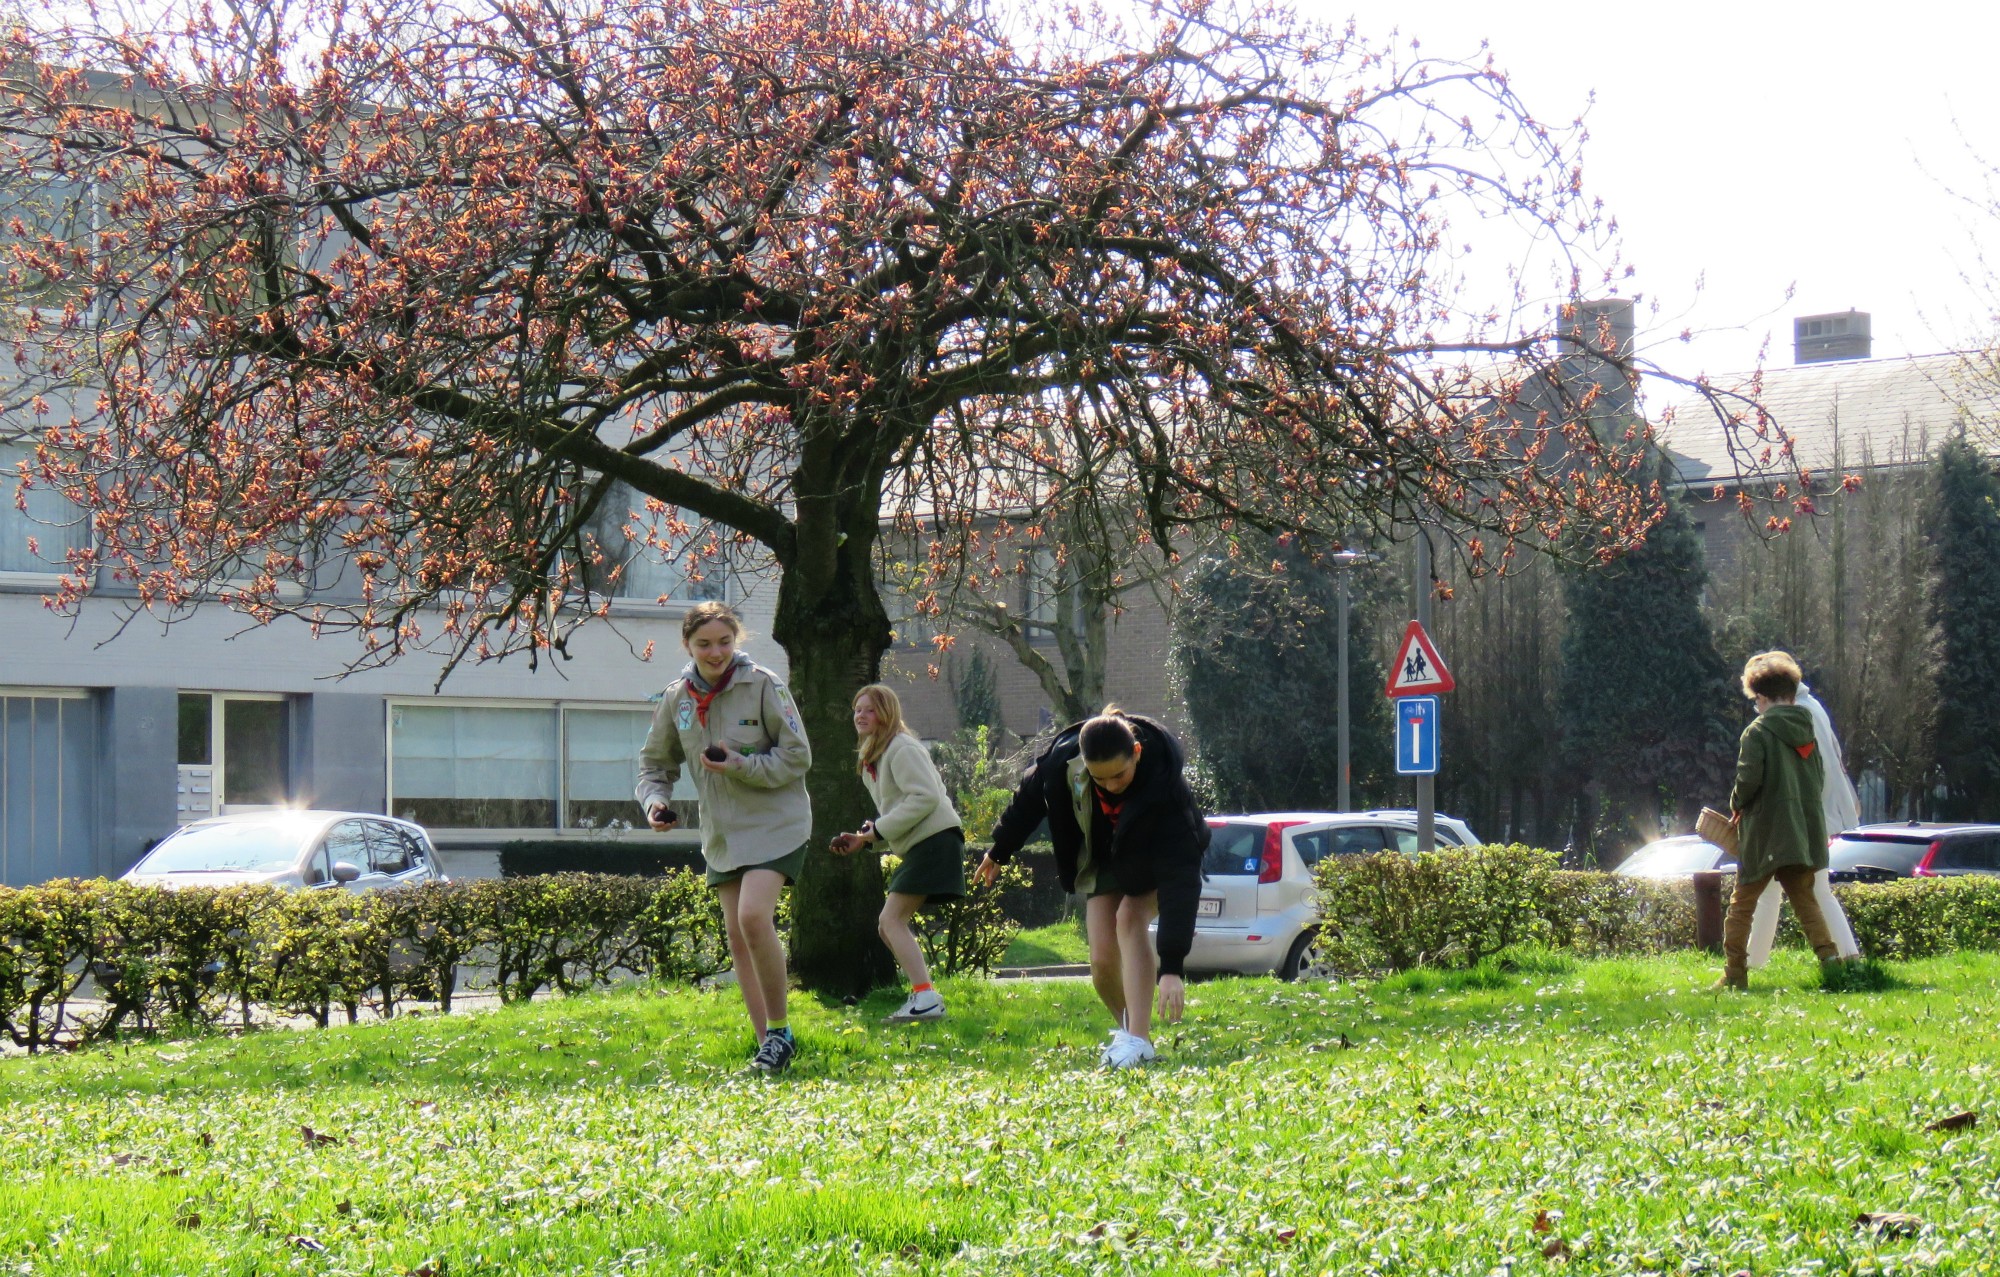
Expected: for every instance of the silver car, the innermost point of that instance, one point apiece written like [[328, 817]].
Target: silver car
[[283, 847], [1676, 857], [1259, 909]]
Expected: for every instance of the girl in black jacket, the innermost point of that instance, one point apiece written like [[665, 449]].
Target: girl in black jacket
[[1127, 834]]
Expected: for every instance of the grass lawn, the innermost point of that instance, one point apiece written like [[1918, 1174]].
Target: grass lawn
[[1420, 1125], [1058, 944]]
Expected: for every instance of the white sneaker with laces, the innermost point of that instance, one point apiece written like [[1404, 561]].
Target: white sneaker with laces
[[928, 1005], [1128, 1051], [1104, 1052]]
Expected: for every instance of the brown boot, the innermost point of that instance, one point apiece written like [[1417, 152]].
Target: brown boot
[[1737, 980]]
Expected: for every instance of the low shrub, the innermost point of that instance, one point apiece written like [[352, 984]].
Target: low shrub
[[1601, 914], [1454, 908], [1441, 908], [149, 958], [1921, 917], [970, 933]]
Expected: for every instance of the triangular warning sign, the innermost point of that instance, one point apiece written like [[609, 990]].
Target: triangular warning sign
[[1418, 670]]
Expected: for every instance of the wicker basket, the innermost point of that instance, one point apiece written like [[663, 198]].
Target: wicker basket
[[1717, 828]]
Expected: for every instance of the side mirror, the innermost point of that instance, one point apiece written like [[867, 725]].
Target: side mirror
[[345, 872]]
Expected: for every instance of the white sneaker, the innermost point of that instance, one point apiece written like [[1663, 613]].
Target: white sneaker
[[1104, 1052], [1128, 1051], [928, 1005]]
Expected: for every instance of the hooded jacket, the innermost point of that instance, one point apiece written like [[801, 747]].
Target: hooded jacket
[[1780, 776], [758, 811], [1158, 821]]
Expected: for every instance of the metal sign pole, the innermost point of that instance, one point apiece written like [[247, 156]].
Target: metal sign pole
[[1341, 712], [1426, 784]]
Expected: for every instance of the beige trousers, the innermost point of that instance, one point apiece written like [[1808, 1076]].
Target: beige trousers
[[1797, 882]]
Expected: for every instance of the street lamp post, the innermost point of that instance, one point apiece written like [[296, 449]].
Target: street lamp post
[[1343, 560]]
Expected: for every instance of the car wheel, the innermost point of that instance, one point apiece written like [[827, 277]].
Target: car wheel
[[1305, 961]]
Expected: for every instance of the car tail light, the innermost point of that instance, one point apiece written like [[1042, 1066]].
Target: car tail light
[[1923, 869], [1272, 866]]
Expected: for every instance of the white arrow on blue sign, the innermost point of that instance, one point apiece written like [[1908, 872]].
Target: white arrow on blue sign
[[1417, 736]]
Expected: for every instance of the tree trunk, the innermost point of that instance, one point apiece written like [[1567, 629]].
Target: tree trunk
[[834, 630]]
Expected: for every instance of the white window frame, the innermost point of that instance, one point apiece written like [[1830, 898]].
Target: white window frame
[[390, 704]]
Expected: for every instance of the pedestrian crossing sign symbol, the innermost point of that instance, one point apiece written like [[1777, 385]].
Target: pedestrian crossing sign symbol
[[1418, 670]]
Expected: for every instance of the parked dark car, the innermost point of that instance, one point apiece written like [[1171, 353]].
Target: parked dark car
[[1878, 853]]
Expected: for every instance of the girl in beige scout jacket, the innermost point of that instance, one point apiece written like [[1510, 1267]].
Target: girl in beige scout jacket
[[916, 822], [737, 722]]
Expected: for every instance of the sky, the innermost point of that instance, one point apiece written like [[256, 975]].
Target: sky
[[1759, 149]]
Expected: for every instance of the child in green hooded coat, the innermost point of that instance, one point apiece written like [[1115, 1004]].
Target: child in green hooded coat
[[1781, 830]]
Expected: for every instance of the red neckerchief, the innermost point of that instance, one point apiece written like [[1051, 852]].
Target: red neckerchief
[[702, 700], [872, 774], [1109, 804]]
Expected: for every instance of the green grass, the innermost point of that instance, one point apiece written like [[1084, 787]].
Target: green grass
[[1058, 944], [1414, 1126]]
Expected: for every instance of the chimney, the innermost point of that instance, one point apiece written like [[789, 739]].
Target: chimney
[[1603, 323], [1818, 339], [1592, 331]]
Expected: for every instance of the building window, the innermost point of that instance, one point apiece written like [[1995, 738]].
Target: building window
[[1041, 588], [600, 766], [647, 572], [38, 207], [519, 766], [473, 767], [48, 752], [36, 540]]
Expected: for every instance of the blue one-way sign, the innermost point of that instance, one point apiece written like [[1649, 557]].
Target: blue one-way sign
[[1417, 736]]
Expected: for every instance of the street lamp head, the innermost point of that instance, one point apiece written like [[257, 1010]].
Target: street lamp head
[[1349, 558]]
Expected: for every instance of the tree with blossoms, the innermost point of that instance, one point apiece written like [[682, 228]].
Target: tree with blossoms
[[415, 319]]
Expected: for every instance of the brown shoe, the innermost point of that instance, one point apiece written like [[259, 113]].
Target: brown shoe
[[1737, 980]]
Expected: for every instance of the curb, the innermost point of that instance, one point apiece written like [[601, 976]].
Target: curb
[[1042, 973]]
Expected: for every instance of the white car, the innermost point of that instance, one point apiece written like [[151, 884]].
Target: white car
[[1675, 857], [1259, 910], [283, 847]]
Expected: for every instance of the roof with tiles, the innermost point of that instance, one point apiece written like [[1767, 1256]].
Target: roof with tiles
[[1846, 414]]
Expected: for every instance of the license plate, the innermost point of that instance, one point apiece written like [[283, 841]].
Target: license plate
[[1209, 907]]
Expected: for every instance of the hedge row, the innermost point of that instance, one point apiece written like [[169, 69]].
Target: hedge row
[[1035, 899], [81, 960], [1455, 908]]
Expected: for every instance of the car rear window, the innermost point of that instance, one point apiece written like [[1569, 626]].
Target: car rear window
[[1897, 855], [1233, 849]]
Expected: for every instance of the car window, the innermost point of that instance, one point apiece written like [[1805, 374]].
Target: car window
[[388, 853], [1969, 855], [1357, 840], [319, 869], [348, 841], [1403, 840], [1312, 846], [1897, 855], [249, 845], [1234, 849]]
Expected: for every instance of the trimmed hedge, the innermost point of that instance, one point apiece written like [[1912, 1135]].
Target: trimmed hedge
[[1454, 908], [83, 959]]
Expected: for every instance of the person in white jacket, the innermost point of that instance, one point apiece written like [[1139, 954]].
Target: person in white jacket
[[915, 821], [1843, 811]]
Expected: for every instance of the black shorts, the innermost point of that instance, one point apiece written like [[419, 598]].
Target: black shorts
[[1137, 877]]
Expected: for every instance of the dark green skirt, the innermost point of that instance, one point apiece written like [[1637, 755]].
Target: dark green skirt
[[934, 868]]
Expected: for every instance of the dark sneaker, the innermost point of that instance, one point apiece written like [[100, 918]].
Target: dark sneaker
[[775, 1054]]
